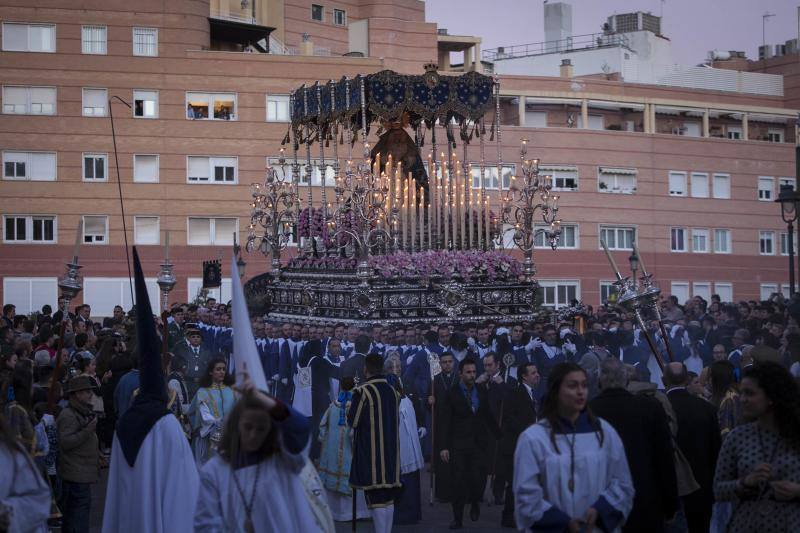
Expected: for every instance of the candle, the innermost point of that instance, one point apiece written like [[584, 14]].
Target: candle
[[446, 205], [463, 183], [166, 246], [610, 259], [78, 237], [413, 213], [454, 204], [430, 225], [421, 211], [404, 217], [470, 203], [488, 225], [641, 261]]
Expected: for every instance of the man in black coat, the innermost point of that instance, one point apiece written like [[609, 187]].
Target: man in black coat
[[353, 366], [466, 421], [498, 387], [642, 425], [520, 410], [699, 440], [442, 384]]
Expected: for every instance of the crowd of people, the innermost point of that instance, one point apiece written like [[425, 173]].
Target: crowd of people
[[568, 425]]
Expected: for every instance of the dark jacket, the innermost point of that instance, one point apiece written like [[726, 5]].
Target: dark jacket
[[79, 456], [698, 435], [642, 425], [519, 412], [463, 429]]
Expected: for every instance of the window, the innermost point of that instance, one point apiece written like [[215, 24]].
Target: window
[[145, 104], [721, 185], [93, 39], [690, 129], [606, 290], [567, 240], [317, 12], [677, 239], [765, 186], [680, 289], [722, 241], [95, 102], [29, 229], [699, 185], [29, 100], [559, 293], [785, 244], [145, 168], [29, 37], [202, 169], [221, 293], [767, 290], [702, 289], [316, 177], [95, 229], [565, 178], [95, 167], [210, 106], [700, 239], [786, 182], [734, 132], [145, 42], [618, 238], [775, 135], [34, 166], [766, 242], [29, 295], [490, 175], [677, 183], [104, 293], [340, 17], [535, 119], [617, 180], [211, 231], [146, 230], [596, 122], [724, 291], [278, 108]]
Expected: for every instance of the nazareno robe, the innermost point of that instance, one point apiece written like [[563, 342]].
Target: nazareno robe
[[542, 497], [158, 493], [373, 415]]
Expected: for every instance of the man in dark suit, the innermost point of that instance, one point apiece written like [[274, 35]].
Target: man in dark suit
[[466, 421], [699, 440], [197, 357], [498, 387], [442, 383], [520, 410], [642, 425], [353, 366]]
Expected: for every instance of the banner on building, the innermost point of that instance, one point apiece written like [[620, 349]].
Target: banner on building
[[212, 274]]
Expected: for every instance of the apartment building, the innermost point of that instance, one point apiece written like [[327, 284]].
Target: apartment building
[[199, 91]]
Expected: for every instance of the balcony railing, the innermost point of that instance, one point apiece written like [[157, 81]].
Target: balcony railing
[[215, 13], [577, 42]]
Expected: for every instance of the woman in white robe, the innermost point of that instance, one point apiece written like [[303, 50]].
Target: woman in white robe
[[261, 480], [570, 470]]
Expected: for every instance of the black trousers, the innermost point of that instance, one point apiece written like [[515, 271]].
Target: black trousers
[[507, 469], [469, 472]]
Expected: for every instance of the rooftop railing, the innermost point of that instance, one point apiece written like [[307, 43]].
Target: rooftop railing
[[577, 42]]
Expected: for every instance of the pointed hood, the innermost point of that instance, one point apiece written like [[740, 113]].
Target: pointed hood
[[245, 351], [150, 404]]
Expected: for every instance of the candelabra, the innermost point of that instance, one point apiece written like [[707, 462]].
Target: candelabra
[[70, 285], [361, 217], [528, 197], [274, 213]]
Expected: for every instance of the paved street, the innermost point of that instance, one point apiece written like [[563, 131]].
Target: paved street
[[435, 519]]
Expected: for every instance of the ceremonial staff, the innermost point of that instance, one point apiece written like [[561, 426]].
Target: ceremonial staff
[[436, 369], [166, 281]]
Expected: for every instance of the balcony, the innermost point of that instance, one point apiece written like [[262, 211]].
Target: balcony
[[570, 44]]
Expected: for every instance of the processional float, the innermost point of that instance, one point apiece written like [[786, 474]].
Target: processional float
[[390, 235]]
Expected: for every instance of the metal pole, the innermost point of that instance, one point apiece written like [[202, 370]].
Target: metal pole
[[119, 185], [790, 244]]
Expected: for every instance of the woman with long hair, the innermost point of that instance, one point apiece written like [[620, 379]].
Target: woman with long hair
[[19, 409], [259, 480], [570, 470], [24, 495], [725, 395], [758, 468], [212, 402]]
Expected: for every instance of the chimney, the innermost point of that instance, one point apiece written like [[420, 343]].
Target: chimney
[[557, 25], [566, 70]]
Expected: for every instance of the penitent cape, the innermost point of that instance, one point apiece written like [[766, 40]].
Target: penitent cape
[[152, 481]]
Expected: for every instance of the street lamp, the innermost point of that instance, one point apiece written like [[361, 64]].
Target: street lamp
[[789, 199]]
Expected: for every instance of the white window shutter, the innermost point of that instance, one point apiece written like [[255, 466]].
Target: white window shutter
[[198, 168], [43, 166], [224, 230], [199, 231]]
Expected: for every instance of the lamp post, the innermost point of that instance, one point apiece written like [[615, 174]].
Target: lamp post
[[789, 199]]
